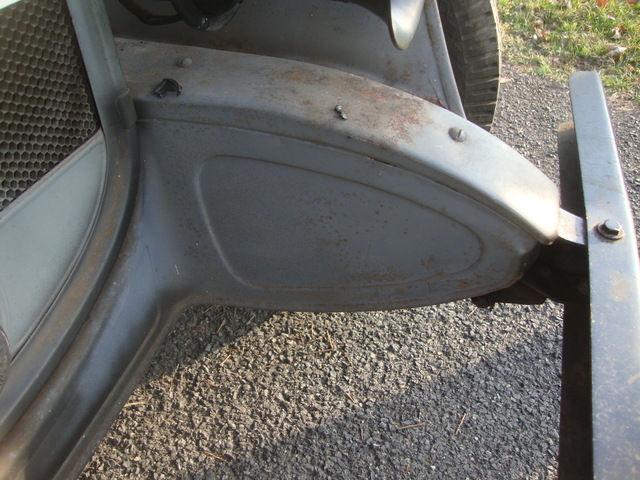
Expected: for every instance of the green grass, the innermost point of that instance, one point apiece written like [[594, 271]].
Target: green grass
[[556, 38]]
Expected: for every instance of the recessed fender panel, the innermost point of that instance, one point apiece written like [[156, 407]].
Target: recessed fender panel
[[257, 193], [268, 219]]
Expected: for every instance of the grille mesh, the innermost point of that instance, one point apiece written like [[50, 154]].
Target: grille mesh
[[46, 107]]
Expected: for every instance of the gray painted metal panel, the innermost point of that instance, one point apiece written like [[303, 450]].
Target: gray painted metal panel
[[313, 229], [47, 226], [615, 288], [334, 34], [297, 100], [264, 196]]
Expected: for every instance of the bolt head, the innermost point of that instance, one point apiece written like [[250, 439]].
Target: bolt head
[[185, 62], [457, 134], [611, 230]]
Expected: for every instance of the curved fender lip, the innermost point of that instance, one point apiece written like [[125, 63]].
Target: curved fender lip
[[248, 92]]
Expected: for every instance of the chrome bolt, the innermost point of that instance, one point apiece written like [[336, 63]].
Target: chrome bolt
[[611, 230], [185, 62], [457, 134]]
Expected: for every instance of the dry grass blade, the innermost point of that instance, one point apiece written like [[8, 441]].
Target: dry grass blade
[[419, 424], [321, 351], [224, 320], [330, 340], [348, 359], [213, 456], [460, 424]]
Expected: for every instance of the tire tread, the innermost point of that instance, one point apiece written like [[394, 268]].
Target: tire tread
[[473, 39]]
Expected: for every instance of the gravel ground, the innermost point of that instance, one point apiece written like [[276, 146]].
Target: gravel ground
[[238, 393]]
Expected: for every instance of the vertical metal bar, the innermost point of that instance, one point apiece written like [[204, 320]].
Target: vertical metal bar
[[614, 275]]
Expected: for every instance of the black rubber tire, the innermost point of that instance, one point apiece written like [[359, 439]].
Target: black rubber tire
[[473, 39]]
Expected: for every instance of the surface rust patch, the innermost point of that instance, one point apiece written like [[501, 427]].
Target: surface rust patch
[[391, 116]]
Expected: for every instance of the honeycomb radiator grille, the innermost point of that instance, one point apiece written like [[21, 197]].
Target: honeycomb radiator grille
[[46, 107]]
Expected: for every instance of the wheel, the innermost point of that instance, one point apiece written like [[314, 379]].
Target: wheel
[[473, 39]]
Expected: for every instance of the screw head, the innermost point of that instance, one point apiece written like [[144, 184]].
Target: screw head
[[185, 62], [611, 230], [457, 134]]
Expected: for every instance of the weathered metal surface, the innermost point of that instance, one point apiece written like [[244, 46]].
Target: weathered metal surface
[[614, 288], [297, 100], [572, 228], [302, 208], [334, 34]]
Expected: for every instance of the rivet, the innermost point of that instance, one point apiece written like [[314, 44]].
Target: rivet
[[185, 62]]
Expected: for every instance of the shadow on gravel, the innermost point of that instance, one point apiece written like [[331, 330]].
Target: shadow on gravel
[[199, 331], [252, 394], [489, 420]]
